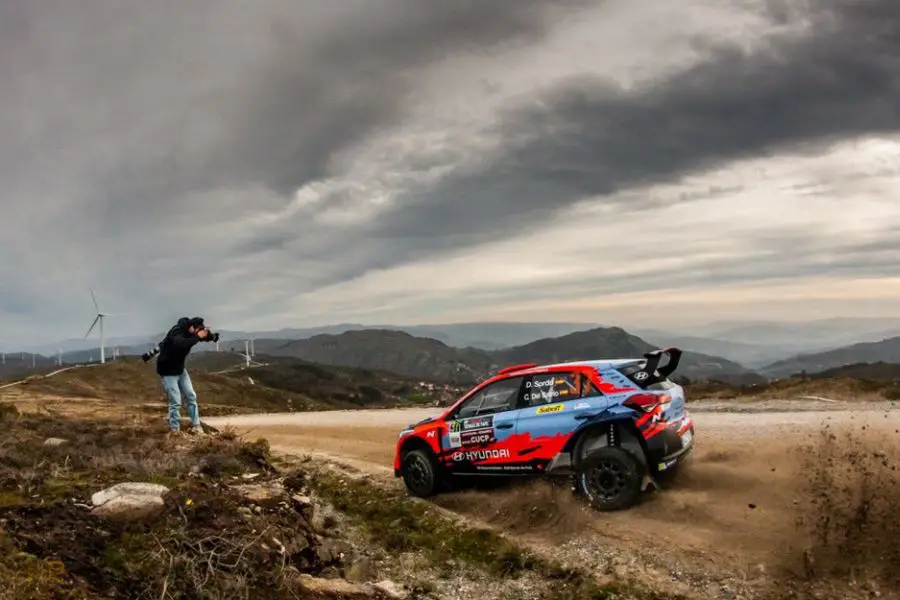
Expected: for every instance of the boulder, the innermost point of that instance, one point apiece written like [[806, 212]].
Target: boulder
[[130, 508], [129, 489], [130, 501]]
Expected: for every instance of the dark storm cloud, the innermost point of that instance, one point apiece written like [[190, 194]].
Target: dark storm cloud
[[593, 138], [122, 122], [159, 108], [138, 139]]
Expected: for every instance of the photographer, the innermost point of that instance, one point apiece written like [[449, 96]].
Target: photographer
[[176, 382]]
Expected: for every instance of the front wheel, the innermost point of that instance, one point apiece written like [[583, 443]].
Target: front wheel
[[420, 473], [610, 478]]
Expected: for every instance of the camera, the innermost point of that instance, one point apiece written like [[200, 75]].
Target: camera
[[211, 336]]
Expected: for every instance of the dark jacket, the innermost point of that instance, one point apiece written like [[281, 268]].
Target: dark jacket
[[174, 348]]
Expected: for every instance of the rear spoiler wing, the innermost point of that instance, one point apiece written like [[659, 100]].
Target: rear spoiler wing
[[654, 357]]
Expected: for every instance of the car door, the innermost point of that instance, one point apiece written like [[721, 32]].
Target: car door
[[554, 406], [480, 430]]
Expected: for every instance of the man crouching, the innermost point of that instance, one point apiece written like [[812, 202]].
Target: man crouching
[[176, 382]]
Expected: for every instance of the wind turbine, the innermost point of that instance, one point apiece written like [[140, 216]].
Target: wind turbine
[[99, 319]]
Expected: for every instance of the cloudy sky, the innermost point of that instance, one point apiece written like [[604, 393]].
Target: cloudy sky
[[300, 162]]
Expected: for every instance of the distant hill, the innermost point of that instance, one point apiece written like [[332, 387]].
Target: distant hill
[[21, 364], [400, 352], [887, 350], [853, 383], [387, 350], [488, 335], [812, 336], [749, 355], [879, 371], [283, 384], [615, 342]]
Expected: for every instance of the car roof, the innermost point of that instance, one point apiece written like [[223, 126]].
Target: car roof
[[599, 364]]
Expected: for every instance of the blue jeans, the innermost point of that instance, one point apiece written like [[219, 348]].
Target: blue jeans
[[175, 386]]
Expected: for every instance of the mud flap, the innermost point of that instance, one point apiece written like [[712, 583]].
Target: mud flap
[[648, 482]]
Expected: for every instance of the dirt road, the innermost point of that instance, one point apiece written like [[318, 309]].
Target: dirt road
[[735, 507]]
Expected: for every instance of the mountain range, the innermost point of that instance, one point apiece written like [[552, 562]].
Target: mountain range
[[400, 352], [736, 352]]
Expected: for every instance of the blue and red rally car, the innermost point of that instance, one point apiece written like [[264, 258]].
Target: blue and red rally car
[[613, 425]]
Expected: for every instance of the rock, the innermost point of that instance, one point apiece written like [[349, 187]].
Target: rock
[[130, 507], [362, 571], [332, 551], [337, 588], [301, 501], [246, 511], [249, 476], [261, 493], [55, 441], [129, 489], [317, 521], [389, 589]]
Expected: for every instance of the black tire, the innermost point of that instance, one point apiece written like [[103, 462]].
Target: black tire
[[421, 473], [610, 479]]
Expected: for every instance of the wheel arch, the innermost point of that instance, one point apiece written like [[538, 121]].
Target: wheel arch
[[618, 432], [414, 442]]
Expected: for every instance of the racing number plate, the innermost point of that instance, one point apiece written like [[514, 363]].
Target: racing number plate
[[687, 438]]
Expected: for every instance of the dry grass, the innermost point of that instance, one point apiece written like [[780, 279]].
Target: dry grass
[[202, 547]]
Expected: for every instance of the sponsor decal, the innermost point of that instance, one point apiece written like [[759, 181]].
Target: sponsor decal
[[540, 383], [641, 375], [478, 422], [550, 408], [471, 438], [582, 405], [545, 395], [455, 441], [507, 468], [472, 423], [430, 434], [481, 454]]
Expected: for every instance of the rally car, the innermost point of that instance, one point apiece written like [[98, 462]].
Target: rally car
[[612, 425]]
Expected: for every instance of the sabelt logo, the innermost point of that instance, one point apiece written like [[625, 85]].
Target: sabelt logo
[[552, 408]]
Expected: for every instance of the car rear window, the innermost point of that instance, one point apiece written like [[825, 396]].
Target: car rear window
[[653, 383]]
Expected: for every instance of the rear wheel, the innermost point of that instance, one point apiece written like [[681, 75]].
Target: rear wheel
[[610, 478], [420, 473]]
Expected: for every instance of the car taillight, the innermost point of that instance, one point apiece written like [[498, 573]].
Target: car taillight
[[646, 402]]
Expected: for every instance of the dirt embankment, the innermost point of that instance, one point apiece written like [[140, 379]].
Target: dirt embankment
[[223, 519]]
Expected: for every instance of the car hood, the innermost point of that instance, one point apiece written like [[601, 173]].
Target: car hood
[[422, 422]]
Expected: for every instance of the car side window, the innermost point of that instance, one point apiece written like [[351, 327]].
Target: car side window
[[557, 387], [496, 397]]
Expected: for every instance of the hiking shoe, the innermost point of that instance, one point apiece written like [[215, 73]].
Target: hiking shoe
[[176, 434], [196, 430]]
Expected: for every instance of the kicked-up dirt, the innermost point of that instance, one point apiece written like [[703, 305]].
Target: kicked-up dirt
[[772, 504]]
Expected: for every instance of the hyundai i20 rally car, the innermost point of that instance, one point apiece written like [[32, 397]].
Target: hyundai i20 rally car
[[612, 425]]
